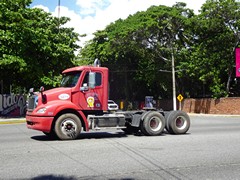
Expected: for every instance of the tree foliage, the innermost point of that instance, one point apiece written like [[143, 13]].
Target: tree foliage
[[212, 58], [139, 50], [35, 46]]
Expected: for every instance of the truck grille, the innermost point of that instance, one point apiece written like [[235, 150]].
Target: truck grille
[[32, 103]]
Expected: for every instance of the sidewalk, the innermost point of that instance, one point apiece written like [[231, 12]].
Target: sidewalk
[[12, 120], [213, 115]]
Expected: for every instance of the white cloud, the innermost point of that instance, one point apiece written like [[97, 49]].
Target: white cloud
[[90, 6], [46, 9], [195, 5], [89, 3], [97, 14]]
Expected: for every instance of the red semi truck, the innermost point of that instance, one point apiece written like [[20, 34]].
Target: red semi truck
[[81, 104]]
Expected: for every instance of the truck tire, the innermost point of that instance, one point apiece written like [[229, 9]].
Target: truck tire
[[178, 122], [68, 126], [153, 124]]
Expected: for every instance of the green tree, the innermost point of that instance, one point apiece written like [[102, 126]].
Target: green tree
[[211, 61], [35, 46], [138, 48]]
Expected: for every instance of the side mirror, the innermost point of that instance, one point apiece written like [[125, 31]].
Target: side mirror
[[92, 80], [31, 91], [84, 87], [41, 89], [44, 98]]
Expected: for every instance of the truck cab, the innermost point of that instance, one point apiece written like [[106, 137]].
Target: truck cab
[[83, 90], [89, 87]]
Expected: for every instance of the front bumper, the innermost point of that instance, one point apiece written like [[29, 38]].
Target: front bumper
[[39, 123]]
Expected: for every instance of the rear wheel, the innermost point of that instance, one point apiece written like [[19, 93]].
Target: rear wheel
[[178, 122], [68, 126], [153, 124]]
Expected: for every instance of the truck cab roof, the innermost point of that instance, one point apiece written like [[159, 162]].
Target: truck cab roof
[[81, 68]]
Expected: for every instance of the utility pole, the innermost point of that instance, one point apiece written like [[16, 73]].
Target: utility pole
[[171, 45], [59, 4], [59, 9]]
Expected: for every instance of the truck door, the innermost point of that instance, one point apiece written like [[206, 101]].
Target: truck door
[[91, 98]]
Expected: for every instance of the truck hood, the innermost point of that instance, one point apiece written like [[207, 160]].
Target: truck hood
[[57, 94]]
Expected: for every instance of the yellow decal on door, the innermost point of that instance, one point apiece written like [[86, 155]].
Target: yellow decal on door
[[90, 101]]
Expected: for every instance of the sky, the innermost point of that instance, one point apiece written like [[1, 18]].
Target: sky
[[88, 16]]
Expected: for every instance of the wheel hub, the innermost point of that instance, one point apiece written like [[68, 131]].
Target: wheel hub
[[181, 123], [68, 126], [155, 124]]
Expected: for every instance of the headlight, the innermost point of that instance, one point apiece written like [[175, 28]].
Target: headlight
[[42, 110]]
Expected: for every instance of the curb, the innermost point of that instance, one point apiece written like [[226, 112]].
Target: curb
[[214, 115], [12, 121]]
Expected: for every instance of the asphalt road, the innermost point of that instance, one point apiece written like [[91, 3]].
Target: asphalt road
[[210, 150]]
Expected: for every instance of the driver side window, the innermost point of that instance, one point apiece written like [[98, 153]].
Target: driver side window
[[85, 80], [98, 79]]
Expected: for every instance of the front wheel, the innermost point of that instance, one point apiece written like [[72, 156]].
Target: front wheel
[[153, 124], [178, 122], [68, 126]]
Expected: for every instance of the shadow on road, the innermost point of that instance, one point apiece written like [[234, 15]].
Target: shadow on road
[[98, 135], [101, 135], [53, 177], [88, 135]]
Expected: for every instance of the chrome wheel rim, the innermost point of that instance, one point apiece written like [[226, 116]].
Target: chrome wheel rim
[[181, 122], [155, 124], [69, 127]]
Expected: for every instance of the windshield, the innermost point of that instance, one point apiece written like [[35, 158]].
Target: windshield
[[70, 79]]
